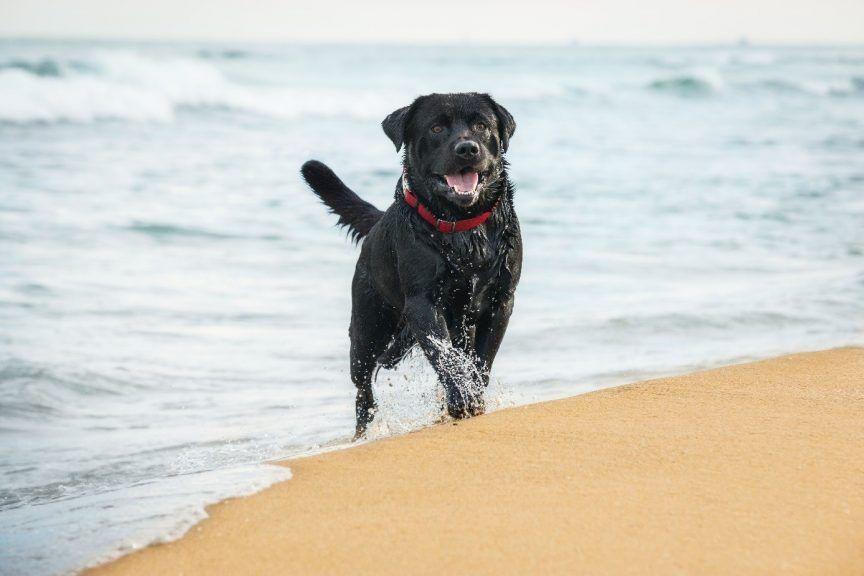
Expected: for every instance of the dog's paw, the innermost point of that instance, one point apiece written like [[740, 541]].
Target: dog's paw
[[465, 406]]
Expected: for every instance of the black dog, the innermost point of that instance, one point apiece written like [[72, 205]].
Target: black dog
[[439, 268]]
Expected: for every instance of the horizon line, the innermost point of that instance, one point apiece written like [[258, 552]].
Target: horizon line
[[741, 42]]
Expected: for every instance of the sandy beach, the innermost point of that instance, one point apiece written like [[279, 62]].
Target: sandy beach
[[750, 469]]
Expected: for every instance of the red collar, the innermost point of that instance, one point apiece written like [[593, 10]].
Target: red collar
[[445, 226]]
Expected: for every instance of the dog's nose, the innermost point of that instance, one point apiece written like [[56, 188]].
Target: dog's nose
[[467, 149]]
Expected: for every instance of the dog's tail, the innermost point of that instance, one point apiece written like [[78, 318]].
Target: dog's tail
[[355, 213]]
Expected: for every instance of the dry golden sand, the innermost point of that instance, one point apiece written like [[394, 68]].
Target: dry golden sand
[[750, 469]]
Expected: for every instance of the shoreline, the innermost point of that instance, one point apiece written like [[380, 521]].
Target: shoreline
[[748, 468]]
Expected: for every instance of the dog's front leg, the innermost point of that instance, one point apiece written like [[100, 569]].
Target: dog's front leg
[[490, 333], [456, 371]]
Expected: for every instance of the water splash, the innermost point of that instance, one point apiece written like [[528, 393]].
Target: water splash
[[410, 396]]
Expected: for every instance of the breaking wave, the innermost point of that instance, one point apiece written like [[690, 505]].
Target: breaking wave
[[125, 86], [44, 67], [693, 84], [709, 82], [121, 85]]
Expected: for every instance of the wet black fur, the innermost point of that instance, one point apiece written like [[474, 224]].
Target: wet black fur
[[450, 293]]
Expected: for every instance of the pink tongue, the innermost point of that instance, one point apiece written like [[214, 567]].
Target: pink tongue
[[466, 182]]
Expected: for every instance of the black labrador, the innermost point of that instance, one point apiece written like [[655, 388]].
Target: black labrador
[[439, 268]]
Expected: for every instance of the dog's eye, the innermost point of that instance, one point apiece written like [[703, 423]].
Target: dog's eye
[[480, 126], [437, 128]]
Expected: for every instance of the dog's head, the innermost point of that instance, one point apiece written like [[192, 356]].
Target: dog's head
[[454, 145]]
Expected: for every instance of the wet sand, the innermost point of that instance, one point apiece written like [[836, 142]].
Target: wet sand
[[750, 469]]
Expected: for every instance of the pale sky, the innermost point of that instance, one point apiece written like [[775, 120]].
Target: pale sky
[[460, 21]]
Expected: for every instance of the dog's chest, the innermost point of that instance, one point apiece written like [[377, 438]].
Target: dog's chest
[[472, 266], [475, 254]]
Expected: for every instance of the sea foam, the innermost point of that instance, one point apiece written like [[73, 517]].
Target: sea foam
[[122, 85]]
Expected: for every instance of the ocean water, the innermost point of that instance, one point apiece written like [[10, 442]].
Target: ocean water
[[174, 302]]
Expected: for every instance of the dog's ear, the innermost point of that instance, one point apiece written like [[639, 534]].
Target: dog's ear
[[395, 123], [506, 123]]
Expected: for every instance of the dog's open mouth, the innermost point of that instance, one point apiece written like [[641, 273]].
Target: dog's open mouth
[[461, 187], [463, 182]]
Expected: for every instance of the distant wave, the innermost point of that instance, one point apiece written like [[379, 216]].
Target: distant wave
[[44, 67], [730, 58], [123, 85], [709, 82], [853, 87], [226, 54], [838, 88], [693, 84], [126, 86], [169, 230], [164, 231]]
